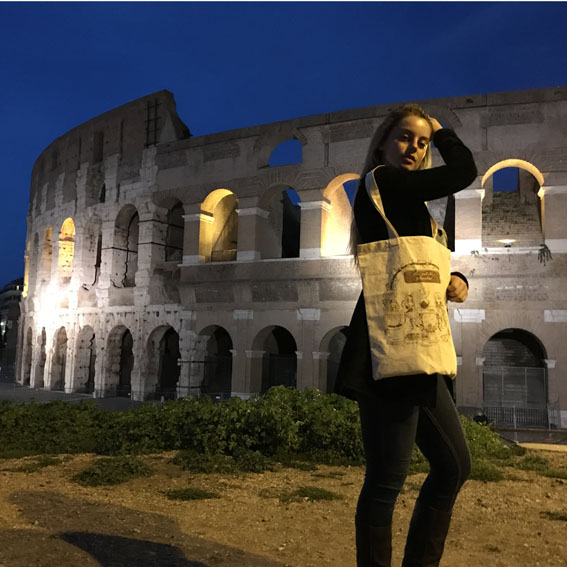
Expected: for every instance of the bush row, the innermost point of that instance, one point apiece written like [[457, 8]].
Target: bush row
[[323, 428]]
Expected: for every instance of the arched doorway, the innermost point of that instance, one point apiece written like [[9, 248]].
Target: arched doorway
[[217, 371], [168, 370], [26, 377], [333, 344], [515, 379], [119, 362], [59, 360], [40, 366], [279, 364], [85, 359]]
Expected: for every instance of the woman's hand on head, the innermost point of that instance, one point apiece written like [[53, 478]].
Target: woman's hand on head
[[457, 289], [435, 124]]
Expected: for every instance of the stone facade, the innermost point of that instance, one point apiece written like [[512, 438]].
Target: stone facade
[[160, 264]]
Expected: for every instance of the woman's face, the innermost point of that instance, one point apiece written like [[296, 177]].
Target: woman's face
[[407, 143]]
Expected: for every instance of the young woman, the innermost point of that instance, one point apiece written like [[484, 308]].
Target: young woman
[[397, 412]]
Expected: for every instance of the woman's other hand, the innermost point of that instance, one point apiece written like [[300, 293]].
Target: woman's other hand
[[457, 289]]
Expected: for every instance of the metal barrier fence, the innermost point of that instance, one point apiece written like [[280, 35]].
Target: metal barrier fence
[[518, 417]]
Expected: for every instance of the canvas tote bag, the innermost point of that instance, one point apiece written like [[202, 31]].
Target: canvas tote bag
[[404, 281]]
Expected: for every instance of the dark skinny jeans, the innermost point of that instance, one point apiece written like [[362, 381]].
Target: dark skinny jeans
[[389, 430]]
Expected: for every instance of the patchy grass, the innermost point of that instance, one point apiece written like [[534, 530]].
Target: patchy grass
[[329, 474], [190, 493], [37, 464], [485, 471], [556, 516], [309, 494], [113, 470]]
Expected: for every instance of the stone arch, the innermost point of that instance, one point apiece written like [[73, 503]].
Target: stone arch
[[279, 357], [174, 233], [85, 360], [281, 225], [27, 358], [515, 385], [217, 362], [46, 254], [335, 235], [119, 361], [513, 218], [218, 231], [39, 374], [125, 247], [287, 152], [66, 250], [59, 360], [331, 350], [162, 362]]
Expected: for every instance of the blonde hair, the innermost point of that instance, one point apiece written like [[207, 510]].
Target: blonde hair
[[374, 157]]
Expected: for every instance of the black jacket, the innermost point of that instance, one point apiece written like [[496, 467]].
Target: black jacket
[[404, 194]]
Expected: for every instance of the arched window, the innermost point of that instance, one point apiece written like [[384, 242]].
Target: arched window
[[337, 217], [66, 251], [287, 153], [125, 248], [511, 208], [218, 232], [280, 235], [46, 255]]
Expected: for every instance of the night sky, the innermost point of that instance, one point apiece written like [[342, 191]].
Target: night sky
[[231, 65]]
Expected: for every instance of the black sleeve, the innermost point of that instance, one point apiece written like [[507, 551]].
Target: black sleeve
[[421, 185]]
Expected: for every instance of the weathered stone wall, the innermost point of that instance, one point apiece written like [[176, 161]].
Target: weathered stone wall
[[120, 175]]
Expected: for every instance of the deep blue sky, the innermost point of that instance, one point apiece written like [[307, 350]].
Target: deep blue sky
[[232, 65]]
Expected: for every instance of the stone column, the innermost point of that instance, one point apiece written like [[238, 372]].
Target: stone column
[[70, 357], [320, 370], [249, 222], [191, 235], [468, 221], [554, 213], [151, 250], [469, 386], [254, 360], [312, 223], [306, 376], [240, 377]]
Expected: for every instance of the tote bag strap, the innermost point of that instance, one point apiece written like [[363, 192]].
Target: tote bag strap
[[376, 198]]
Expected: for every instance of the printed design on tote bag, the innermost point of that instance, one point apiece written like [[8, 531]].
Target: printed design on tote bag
[[416, 315]]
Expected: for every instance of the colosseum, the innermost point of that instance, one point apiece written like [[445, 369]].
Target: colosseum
[[161, 265]]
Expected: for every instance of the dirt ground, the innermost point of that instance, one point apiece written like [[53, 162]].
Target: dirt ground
[[49, 521]]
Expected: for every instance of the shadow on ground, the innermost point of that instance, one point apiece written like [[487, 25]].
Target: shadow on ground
[[67, 533]]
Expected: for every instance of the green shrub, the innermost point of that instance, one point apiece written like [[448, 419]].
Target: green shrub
[[113, 470], [190, 493], [287, 426]]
